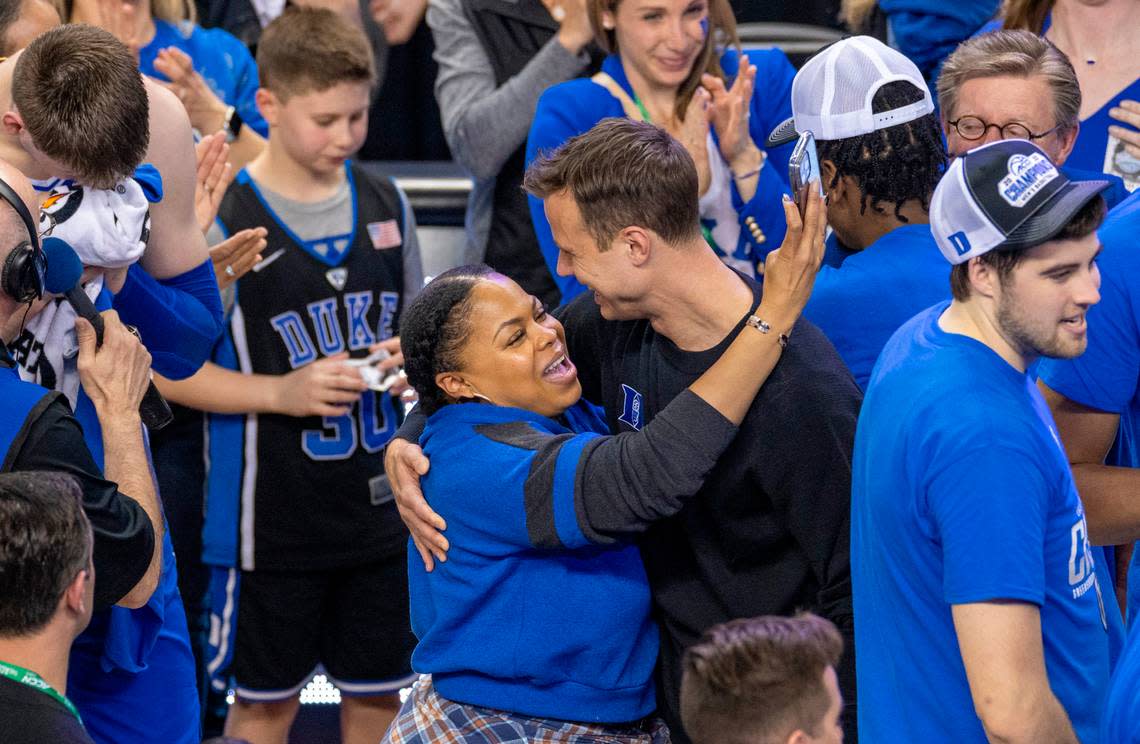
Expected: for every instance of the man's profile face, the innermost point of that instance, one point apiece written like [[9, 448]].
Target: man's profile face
[[1007, 99], [1042, 304], [606, 272]]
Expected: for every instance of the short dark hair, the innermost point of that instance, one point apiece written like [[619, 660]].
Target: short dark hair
[[307, 50], [45, 540], [82, 99], [892, 165], [434, 328], [1084, 222], [758, 680], [622, 173]]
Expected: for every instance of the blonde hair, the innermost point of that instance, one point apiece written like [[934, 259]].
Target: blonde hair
[[855, 13], [1018, 54], [1026, 15], [721, 33]]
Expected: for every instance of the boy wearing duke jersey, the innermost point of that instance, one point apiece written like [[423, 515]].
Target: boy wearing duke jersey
[[296, 495]]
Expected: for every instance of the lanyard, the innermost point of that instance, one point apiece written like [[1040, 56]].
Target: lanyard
[[645, 116], [36, 682], [641, 107]]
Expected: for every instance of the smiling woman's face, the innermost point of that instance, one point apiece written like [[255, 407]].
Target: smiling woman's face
[[515, 354], [659, 40]]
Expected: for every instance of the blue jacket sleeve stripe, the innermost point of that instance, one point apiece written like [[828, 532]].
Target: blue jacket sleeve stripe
[[550, 490], [540, 491], [566, 484]]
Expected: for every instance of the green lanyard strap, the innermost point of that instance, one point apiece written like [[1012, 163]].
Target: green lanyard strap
[[30, 679], [641, 107]]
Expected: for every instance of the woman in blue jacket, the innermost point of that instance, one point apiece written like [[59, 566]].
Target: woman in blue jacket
[[538, 626], [676, 63]]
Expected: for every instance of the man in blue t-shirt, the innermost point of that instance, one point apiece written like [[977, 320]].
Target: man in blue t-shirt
[[881, 155], [1096, 398], [976, 588]]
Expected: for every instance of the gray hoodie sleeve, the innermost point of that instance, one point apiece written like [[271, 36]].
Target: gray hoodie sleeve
[[483, 123]]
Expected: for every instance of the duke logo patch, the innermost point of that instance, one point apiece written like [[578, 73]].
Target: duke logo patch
[[960, 242], [631, 407], [337, 278], [1028, 174]]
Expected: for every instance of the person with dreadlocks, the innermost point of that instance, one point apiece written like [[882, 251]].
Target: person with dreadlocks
[[881, 155]]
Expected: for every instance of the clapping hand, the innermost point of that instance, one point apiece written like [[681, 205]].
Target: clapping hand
[[206, 111], [237, 254], [729, 111], [693, 133], [213, 177], [574, 29]]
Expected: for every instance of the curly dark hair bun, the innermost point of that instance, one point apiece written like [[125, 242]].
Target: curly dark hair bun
[[434, 328]]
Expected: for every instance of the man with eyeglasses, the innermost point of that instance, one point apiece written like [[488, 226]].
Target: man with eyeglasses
[[1015, 85]]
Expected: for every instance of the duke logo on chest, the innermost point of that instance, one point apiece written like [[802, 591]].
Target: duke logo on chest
[[334, 324]]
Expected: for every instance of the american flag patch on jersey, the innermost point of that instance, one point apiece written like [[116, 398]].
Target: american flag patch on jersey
[[385, 234]]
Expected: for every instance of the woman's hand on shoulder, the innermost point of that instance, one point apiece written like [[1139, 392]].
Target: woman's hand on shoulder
[[729, 110]]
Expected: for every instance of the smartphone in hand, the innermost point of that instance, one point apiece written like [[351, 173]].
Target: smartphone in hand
[[803, 168]]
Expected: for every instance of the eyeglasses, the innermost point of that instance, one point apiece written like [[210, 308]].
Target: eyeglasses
[[973, 128]]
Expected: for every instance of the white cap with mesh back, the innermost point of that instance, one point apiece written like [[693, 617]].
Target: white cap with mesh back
[[832, 93], [1004, 196]]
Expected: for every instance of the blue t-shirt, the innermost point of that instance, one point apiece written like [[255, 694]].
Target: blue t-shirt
[[859, 306], [1107, 376], [1121, 722], [219, 57], [575, 106], [961, 493], [527, 614]]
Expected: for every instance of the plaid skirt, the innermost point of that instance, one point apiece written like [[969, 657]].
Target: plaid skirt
[[428, 718]]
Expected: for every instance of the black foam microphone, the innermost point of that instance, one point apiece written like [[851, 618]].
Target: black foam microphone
[[64, 271]]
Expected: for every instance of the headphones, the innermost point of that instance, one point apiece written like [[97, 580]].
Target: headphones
[[22, 277]]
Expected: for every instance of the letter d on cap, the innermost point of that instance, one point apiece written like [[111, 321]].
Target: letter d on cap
[[960, 242]]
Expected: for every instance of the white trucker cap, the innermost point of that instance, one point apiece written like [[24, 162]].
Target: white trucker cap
[[832, 93]]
